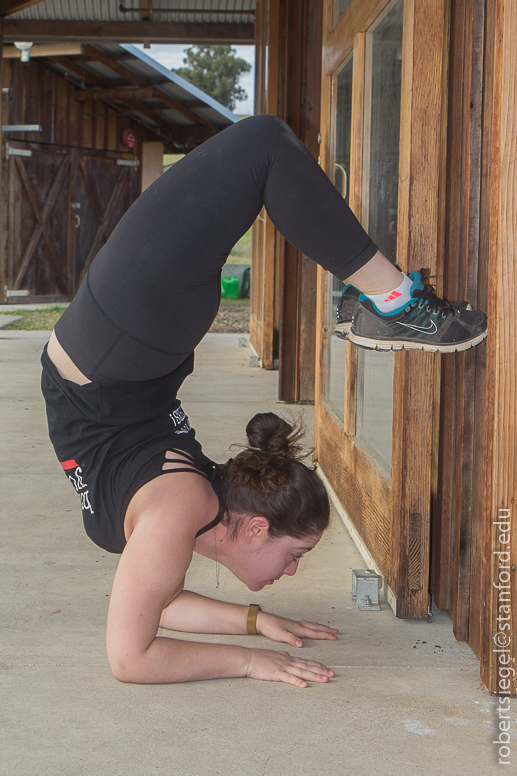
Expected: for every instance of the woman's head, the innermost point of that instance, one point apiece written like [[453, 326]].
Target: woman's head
[[268, 478]]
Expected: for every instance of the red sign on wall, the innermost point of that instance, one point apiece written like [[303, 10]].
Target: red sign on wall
[[128, 138]]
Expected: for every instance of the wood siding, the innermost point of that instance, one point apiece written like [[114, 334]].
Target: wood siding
[[60, 205], [478, 423]]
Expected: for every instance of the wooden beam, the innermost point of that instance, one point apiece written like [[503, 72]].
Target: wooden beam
[[128, 95], [146, 10], [121, 93], [76, 69], [113, 64], [191, 136], [170, 102], [128, 32], [13, 6], [45, 50], [149, 113]]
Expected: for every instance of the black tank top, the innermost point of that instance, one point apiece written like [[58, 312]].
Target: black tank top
[[111, 438]]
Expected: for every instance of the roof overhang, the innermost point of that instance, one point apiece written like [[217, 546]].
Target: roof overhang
[[136, 21]]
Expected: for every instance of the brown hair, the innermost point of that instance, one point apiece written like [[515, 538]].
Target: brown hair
[[269, 479]]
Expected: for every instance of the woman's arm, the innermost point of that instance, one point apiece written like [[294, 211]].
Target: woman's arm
[[150, 576], [193, 613]]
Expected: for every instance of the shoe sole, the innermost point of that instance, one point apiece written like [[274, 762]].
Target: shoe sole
[[342, 330], [372, 344]]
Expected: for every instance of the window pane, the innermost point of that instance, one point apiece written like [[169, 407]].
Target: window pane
[[340, 161], [375, 403], [379, 216], [340, 7]]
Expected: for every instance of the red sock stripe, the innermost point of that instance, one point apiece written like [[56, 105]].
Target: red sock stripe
[[393, 295], [69, 464]]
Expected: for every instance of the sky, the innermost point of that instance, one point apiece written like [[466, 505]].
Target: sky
[[172, 55]]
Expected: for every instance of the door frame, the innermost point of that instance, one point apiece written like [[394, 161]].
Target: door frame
[[390, 516]]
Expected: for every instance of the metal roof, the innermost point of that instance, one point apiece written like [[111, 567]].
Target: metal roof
[[179, 88], [172, 100], [109, 11]]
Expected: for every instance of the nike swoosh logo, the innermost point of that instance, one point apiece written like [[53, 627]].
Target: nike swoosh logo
[[432, 329]]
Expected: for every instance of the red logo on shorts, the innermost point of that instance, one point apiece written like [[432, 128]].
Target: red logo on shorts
[[69, 464]]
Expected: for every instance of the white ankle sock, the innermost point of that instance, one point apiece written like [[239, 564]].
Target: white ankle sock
[[392, 300]]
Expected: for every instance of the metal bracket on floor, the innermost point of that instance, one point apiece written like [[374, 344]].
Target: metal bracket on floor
[[255, 361], [365, 589]]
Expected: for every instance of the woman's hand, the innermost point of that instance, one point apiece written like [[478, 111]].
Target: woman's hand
[[290, 631], [272, 666]]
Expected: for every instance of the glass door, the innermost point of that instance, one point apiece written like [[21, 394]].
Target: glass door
[[383, 74], [340, 172], [381, 125]]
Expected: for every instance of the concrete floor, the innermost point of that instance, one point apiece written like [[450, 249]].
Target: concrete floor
[[406, 698]]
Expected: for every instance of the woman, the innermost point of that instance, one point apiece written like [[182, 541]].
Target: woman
[[112, 371]]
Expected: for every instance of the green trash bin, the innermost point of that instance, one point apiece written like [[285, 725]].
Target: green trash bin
[[230, 287]]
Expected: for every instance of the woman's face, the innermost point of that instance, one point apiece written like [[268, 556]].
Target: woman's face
[[267, 561]]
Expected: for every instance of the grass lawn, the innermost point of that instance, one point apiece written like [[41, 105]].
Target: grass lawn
[[241, 252], [34, 320]]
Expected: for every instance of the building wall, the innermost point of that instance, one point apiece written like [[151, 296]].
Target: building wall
[[454, 451], [71, 184]]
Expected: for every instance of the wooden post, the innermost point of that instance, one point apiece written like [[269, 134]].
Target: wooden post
[[418, 231], [302, 113], [152, 163], [499, 233], [3, 274]]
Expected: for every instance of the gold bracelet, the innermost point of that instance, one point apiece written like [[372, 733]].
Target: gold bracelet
[[251, 625]]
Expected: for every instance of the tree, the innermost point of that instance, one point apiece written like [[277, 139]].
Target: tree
[[215, 70]]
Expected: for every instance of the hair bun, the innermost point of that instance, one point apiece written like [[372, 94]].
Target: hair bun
[[270, 433]]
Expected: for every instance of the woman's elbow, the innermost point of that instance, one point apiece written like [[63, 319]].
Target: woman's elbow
[[123, 670], [126, 667]]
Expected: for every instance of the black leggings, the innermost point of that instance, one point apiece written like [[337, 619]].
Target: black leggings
[[152, 291]]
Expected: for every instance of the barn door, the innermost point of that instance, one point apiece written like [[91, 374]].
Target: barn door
[[102, 191], [36, 246], [63, 203]]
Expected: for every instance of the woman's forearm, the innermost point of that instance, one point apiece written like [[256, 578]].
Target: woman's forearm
[[193, 613], [169, 661]]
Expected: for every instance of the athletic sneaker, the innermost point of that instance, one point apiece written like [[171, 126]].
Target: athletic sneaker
[[425, 323], [350, 296], [345, 310]]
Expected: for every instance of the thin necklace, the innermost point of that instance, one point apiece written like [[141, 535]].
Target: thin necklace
[[217, 566]]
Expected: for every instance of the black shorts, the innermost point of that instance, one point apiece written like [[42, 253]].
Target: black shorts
[[111, 439]]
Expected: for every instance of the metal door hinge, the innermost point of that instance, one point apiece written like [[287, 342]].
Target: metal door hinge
[[21, 128], [128, 162], [16, 151]]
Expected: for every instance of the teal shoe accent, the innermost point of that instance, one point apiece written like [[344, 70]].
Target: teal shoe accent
[[416, 277], [362, 297]]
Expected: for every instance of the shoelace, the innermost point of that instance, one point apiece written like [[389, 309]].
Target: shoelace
[[427, 295], [422, 272]]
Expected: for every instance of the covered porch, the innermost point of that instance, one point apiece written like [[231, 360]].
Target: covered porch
[[406, 697]]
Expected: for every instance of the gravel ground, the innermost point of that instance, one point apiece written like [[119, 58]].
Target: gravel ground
[[231, 318]]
